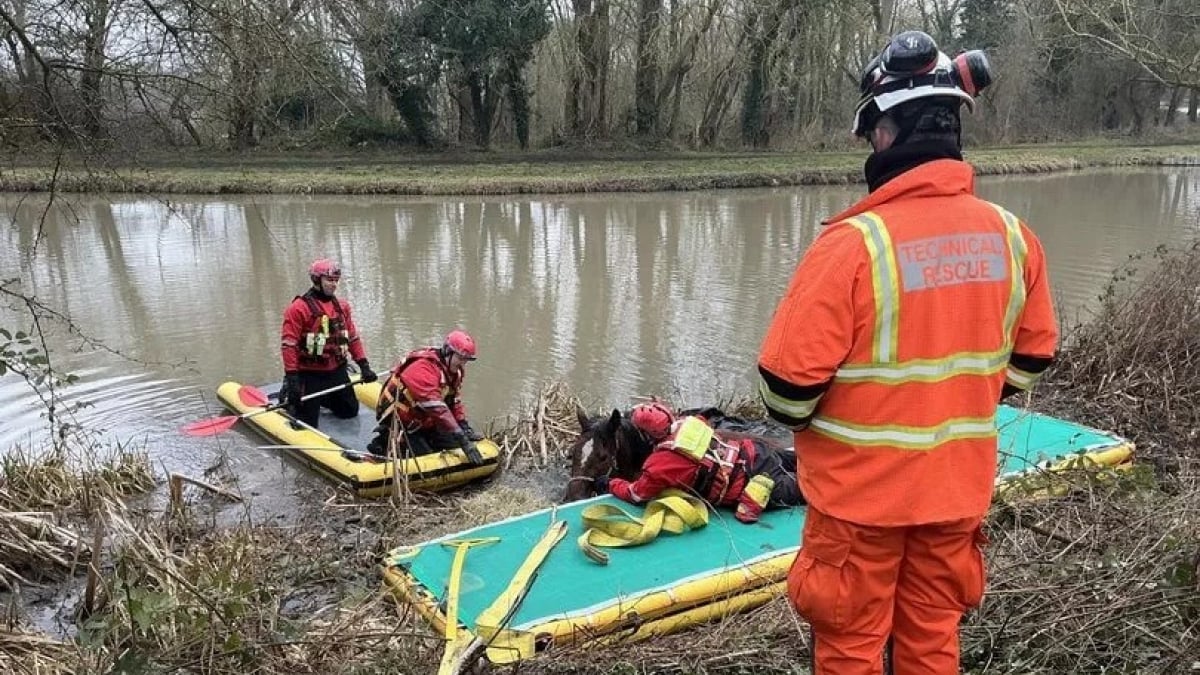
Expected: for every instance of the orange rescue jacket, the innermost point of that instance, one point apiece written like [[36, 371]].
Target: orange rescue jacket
[[904, 322]]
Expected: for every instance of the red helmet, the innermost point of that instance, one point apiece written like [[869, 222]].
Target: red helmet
[[460, 343], [324, 267], [653, 419]]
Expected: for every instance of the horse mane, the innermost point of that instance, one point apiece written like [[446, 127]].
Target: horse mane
[[629, 447]]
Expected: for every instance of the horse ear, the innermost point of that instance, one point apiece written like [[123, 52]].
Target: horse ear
[[615, 418], [580, 414]]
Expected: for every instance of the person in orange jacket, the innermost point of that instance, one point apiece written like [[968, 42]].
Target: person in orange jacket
[[908, 320], [720, 483], [424, 393], [317, 341]]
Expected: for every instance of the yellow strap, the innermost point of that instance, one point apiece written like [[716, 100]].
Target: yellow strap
[[455, 645], [611, 526], [493, 620]]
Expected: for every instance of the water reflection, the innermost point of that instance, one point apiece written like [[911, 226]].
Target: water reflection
[[618, 295]]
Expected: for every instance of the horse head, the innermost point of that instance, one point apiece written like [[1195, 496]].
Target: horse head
[[608, 445]]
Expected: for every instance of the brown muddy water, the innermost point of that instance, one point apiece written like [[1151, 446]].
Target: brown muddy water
[[617, 295]]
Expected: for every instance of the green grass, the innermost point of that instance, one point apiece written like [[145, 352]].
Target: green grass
[[412, 173]]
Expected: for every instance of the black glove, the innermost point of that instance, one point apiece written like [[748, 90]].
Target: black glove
[[601, 484], [290, 392], [470, 432], [364, 370], [470, 450]]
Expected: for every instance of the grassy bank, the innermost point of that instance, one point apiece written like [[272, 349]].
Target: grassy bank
[[1103, 579], [406, 173]]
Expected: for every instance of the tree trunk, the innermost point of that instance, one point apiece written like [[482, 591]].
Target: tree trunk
[[412, 104], [1173, 106], [717, 105], [1193, 105], [35, 75], [882, 12], [242, 113], [91, 77], [681, 63], [518, 100], [645, 87], [374, 86], [588, 79], [243, 49], [483, 92], [756, 98]]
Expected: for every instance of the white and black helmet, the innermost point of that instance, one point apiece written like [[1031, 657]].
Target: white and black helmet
[[912, 67]]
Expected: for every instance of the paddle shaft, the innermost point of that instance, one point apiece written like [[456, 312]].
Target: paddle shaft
[[306, 397], [254, 397], [302, 423]]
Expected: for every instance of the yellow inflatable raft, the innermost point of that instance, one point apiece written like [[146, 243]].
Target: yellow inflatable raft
[[336, 449]]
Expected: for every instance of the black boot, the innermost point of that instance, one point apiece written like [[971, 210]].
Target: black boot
[[379, 444]]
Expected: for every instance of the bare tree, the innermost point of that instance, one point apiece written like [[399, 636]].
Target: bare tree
[[645, 88], [1161, 37], [587, 99]]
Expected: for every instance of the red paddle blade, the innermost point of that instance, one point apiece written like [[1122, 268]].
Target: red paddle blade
[[252, 396], [209, 427]]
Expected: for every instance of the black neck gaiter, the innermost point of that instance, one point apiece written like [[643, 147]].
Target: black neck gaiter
[[885, 165]]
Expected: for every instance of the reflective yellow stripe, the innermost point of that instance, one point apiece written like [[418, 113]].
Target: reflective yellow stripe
[[1019, 378], [926, 370], [886, 285], [885, 369], [1017, 253], [910, 438], [787, 406]]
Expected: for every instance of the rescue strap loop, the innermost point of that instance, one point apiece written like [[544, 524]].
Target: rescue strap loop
[[610, 526], [456, 645], [492, 623]]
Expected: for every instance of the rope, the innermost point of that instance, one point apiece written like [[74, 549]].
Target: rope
[[610, 526]]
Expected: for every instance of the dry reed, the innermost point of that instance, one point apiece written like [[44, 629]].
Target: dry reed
[[44, 499]]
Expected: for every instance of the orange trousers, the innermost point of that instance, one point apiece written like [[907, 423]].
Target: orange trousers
[[859, 585]]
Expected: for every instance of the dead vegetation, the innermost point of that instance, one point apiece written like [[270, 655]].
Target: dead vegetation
[[1103, 579], [44, 500]]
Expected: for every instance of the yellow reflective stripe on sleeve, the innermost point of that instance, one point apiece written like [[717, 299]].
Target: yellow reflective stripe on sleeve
[[1017, 253], [886, 284], [926, 370], [909, 438], [789, 407], [1019, 378]]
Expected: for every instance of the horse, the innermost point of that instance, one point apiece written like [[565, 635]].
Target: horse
[[609, 445]]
